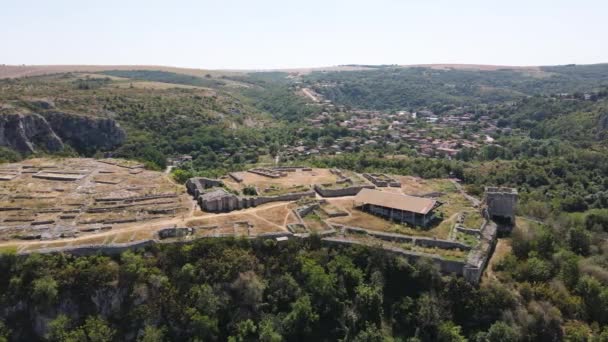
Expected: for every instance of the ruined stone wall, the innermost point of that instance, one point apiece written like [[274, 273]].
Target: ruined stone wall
[[169, 233], [286, 197], [348, 191], [478, 258], [445, 266], [471, 269], [268, 172], [305, 210], [233, 202], [382, 180], [292, 168], [236, 177], [416, 240], [197, 185]]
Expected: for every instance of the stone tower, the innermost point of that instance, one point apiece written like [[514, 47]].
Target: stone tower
[[501, 204]]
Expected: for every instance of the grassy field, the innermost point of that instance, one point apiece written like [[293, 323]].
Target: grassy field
[[314, 222], [473, 220], [8, 250]]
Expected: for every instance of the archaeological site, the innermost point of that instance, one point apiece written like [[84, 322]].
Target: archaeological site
[[86, 205]]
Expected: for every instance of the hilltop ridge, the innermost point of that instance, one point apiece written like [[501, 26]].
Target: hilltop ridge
[[16, 71]]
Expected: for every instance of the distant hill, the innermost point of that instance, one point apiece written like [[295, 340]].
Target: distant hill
[[15, 71], [398, 87]]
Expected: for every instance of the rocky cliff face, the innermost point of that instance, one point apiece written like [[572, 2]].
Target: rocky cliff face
[[86, 134], [51, 130], [26, 133]]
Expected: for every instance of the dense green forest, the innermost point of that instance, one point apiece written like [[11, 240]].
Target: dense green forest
[[573, 119], [396, 88], [242, 290]]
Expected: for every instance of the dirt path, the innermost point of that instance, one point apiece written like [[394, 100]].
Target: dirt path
[[474, 201], [286, 218], [308, 93], [265, 220]]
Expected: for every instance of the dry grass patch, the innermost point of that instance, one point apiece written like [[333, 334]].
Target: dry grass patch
[[298, 178], [364, 220], [275, 215], [153, 85], [8, 250], [94, 240], [123, 237]]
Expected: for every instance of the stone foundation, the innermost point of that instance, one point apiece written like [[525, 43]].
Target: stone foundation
[[348, 191], [268, 172], [382, 180]]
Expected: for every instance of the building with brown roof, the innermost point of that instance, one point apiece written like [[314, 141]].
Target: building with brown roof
[[418, 211]]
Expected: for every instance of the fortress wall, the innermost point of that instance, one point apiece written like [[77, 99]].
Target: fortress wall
[[236, 177], [286, 197], [196, 185], [445, 266], [233, 202], [419, 241], [478, 258], [443, 244], [379, 235], [469, 231]]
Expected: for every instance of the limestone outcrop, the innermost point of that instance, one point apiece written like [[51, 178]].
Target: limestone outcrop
[[86, 134], [50, 131], [25, 133]]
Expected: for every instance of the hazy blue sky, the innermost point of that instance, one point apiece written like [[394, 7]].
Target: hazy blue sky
[[285, 33]]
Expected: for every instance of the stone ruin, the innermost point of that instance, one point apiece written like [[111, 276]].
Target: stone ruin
[[68, 198], [382, 180], [291, 168], [348, 186], [500, 204], [172, 233], [212, 196], [300, 228], [197, 185], [270, 173]]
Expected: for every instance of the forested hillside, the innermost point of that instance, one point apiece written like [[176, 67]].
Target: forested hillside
[[573, 119], [240, 290], [396, 88], [219, 127]]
